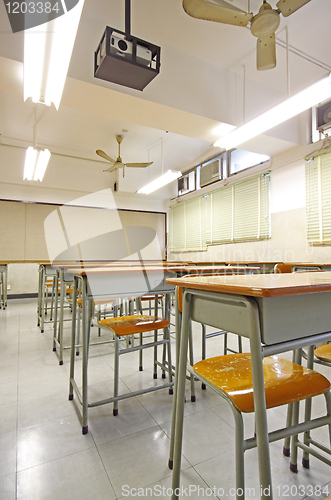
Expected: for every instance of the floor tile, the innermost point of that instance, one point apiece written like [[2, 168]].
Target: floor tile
[[44, 455], [80, 476], [137, 460], [8, 453], [46, 442], [8, 487]]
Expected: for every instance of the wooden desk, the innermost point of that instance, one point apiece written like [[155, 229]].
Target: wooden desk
[[277, 312], [120, 281]]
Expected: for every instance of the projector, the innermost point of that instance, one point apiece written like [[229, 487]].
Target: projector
[[123, 48], [124, 60]]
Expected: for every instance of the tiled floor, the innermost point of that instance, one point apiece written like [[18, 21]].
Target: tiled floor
[[44, 456]]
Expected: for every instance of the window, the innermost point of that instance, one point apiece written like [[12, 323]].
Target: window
[[239, 212], [318, 198], [240, 160]]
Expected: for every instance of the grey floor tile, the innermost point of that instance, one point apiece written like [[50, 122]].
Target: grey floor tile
[[8, 487], [45, 453], [138, 460], [8, 453], [46, 442], [80, 476]]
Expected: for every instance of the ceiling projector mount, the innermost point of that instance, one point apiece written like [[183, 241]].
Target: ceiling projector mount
[[125, 59], [263, 25]]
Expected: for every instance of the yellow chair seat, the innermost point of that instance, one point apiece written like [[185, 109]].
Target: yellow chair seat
[[285, 382], [128, 325], [323, 352]]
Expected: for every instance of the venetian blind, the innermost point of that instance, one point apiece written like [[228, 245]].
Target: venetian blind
[[239, 212], [318, 199]]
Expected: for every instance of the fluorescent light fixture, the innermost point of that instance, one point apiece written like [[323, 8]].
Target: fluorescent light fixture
[[316, 93], [47, 54], [160, 182], [36, 161]]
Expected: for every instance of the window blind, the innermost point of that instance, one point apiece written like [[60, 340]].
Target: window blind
[[239, 212], [318, 199]]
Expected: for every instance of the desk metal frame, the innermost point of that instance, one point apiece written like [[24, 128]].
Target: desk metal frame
[[250, 317], [107, 283]]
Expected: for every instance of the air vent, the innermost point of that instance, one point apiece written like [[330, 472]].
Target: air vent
[[210, 173], [323, 116]]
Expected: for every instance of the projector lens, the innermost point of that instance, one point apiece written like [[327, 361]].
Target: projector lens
[[122, 45]]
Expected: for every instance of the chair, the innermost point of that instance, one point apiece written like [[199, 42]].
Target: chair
[[323, 353], [285, 382], [124, 326]]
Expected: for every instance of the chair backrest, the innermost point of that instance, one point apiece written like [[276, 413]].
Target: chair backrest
[[282, 267], [180, 298]]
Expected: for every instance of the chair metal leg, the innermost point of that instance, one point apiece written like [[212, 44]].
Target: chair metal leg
[[191, 360], [295, 420], [239, 453], [287, 441], [116, 374], [156, 305], [308, 405]]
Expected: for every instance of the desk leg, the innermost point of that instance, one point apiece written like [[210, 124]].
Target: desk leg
[[84, 356], [62, 291], [40, 280], [56, 303], [73, 341], [4, 283], [180, 396], [173, 419], [261, 416], [42, 300]]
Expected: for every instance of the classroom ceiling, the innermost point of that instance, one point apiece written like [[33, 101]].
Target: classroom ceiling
[[208, 78]]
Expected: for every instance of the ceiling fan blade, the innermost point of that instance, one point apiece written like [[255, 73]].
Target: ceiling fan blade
[[220, 12], [112, 168], [266, 52], [287, 7], [104, 155], [139, 165]]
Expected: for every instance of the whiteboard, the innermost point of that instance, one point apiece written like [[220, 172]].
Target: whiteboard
[[42, 232]]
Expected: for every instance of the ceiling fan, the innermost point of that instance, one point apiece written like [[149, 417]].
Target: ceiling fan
[[118, 163], [263, 25]]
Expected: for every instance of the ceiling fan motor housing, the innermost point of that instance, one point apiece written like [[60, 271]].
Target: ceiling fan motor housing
[[265, 22]]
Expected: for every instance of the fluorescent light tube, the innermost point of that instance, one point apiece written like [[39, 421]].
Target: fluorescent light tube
[[36, 161], [160, 182], [316, 93], [47, 54]]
